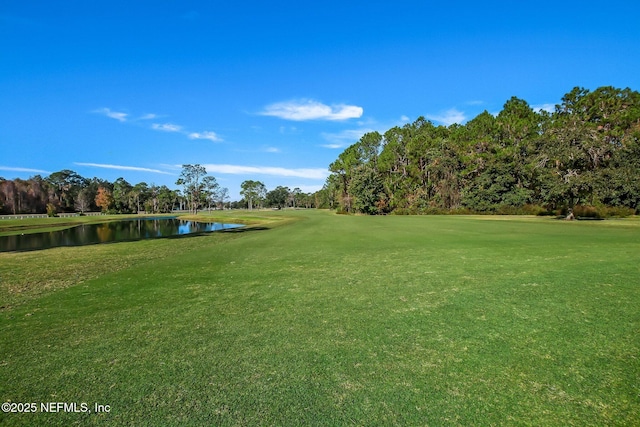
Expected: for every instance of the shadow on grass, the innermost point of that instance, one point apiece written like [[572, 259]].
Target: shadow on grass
[[579, 218], [203, 233], [245, 229]]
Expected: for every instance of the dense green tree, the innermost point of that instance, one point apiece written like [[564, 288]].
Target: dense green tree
[[307, 200], [328, 196], [210, 190], [499, 170], [586, 152], [191, 180], [166, 199], [66, 185], [140, 193], [277, 198], [92, 190], [123, 196], [367, 190], [363, 152], [253, 192]]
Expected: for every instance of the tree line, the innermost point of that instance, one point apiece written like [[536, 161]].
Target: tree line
[[584, 155], [255, 194], [67, 191]]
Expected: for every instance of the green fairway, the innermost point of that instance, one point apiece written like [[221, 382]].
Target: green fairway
[[312, 318]]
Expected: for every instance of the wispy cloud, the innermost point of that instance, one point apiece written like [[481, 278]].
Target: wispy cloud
[[120, 167], [211, 136], [149, 116], [161, 127], [550, 108], [171, 127], [122, 117], [449, 117], [308, 173], [166, 127], [171, 167], [271, 150], [288, 130], [348, 137], [344, 138], [18, 169], [308, 109]]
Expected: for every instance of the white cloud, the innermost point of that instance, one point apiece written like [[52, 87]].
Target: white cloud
[[162, 127], [309, 173], [149, 116], [288, 130], [550, 108], [211, 136], [126, 168], [344, 138], [348, 137], [166, 127], [308, 109], [122, 117], [449, 117], [271, 150], [171, 167], [18, 169]]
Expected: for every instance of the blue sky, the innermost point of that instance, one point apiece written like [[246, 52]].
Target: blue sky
[[274, 91]]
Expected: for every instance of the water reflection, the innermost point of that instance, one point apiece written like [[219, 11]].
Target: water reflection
[[115, 231]]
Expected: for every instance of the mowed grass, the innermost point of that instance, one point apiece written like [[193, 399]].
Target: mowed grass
[[323, 319]]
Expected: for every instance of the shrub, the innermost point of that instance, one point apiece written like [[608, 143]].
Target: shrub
[[51, 210], [400, 211], [527, 209], [599, 212], [461, 211], [585, 212], [433, 211], [614, 211]]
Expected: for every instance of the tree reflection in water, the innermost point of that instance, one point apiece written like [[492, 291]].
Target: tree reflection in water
[[115, 231]]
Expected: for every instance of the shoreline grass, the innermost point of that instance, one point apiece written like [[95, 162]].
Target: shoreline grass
[[328, 319]]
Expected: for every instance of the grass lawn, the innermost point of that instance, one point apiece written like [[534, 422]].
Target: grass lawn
[[312, 318]]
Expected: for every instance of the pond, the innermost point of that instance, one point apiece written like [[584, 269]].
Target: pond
[[105, 232]]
